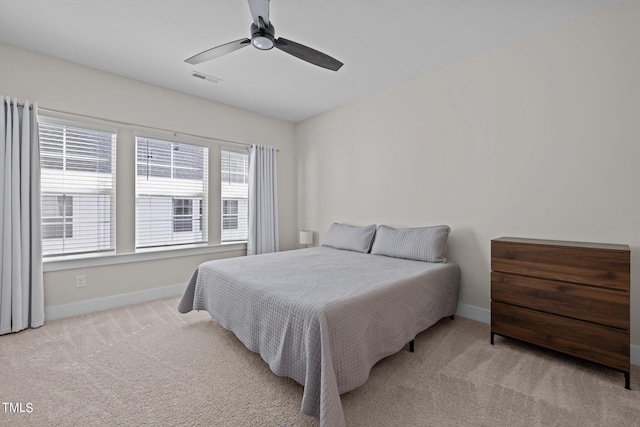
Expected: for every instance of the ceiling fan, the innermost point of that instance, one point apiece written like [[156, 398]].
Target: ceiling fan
[[262, 37]]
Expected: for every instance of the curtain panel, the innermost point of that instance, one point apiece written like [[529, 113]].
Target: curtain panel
[[263, 201], [21, 282]]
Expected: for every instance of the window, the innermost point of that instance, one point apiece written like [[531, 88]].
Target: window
[[78, 188], [171, 190], [57, 216], [230, 214], [234, 195], [182, 215]]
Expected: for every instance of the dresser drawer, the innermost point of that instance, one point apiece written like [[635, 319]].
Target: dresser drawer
[[597, 265], [589, 341], [597, 305]]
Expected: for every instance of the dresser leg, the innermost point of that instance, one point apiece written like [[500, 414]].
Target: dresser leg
[[627, 380], [492, 334]]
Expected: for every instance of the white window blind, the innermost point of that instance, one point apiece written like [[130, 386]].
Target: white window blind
[[171, 193], [235, 195], [78, 189]]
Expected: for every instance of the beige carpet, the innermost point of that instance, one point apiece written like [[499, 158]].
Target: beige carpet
[[149, 365]]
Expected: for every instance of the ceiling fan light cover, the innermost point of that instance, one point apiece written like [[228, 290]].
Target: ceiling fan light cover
[[262, 42]]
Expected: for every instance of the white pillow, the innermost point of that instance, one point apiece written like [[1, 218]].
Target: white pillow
[[420, 244], [349, 237]]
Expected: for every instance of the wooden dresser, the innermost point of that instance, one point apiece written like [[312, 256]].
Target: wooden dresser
[[567, 296]]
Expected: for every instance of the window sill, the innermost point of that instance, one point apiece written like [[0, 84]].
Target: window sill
[[61, 263]]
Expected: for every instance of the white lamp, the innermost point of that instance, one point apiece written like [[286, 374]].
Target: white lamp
[[306, 237]]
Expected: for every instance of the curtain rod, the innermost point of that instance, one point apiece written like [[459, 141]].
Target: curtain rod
[[51, 110]]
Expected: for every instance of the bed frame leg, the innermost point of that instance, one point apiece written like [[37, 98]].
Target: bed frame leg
[[627, 380], [412, 342]]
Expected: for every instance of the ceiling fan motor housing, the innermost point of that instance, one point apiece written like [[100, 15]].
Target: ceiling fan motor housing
[[262, 38]]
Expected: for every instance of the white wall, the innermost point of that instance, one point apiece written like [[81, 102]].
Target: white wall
[[62, 85], [537, 139]]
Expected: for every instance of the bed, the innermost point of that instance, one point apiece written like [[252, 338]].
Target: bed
[[324, 316]]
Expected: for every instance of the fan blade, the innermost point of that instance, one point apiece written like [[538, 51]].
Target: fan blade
[[259, 8], [218, 51], [307, 54]]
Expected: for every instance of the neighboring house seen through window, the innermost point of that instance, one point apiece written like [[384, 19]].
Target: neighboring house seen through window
[[171, 193], [77, 167], [234, 194]]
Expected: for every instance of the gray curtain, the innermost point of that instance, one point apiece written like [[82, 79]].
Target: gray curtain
[[21, 290], [263, 201]]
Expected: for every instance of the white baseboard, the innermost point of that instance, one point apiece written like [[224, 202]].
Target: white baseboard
[[89, 306], [483, 315], [474, 313]]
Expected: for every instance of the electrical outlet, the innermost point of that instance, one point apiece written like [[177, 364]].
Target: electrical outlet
[[81, 281]]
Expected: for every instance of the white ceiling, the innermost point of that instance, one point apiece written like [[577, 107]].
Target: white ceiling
[[381, 42]]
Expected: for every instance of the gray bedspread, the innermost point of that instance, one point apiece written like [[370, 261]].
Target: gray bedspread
[[323, 316]]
